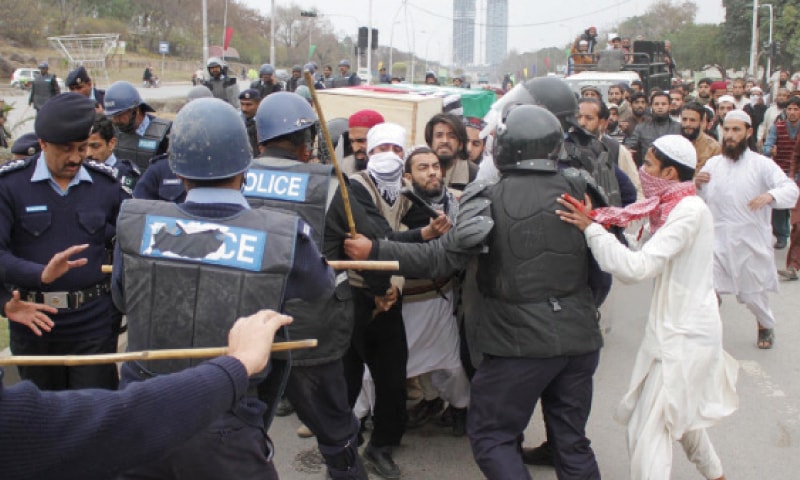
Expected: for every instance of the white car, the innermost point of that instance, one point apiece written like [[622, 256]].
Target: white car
[[22, 78]]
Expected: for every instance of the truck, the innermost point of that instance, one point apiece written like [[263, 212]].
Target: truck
[[645, 62]]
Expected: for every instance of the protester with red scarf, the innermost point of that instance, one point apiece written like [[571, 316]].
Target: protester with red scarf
[[683, 381]]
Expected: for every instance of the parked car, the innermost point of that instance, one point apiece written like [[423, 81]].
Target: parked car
[[22, 78]]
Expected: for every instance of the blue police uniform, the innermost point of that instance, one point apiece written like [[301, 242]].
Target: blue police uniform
[[40, 221], [126, 172], [158, 182]]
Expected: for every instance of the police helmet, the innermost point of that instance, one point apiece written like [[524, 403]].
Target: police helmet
[[216, 62], [336, 128], [203, 150], [528, 137], [198, 91], [266, 69], [122, 96], [548, 92], [282, 113]]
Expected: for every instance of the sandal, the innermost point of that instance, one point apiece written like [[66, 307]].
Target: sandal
[[766, 338]]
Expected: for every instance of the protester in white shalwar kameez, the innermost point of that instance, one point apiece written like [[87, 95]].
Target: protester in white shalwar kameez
[[682, 381], [741, 189]]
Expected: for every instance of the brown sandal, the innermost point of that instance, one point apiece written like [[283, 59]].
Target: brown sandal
[[766, 338]]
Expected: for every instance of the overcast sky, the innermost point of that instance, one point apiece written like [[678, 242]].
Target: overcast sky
[[533, 24]]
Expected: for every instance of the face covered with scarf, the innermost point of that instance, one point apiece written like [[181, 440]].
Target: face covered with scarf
[[385, 165], [661, 185]]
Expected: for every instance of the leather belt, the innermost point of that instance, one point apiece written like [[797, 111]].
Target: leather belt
[[434, 286], [68, 300]]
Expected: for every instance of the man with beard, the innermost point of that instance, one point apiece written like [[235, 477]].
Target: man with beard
[[428, 310], [266, 83], [476, 145], [718, 89], [741, 187], [658, 125], [613, 128], [358, 126], [638, 108], [142, 135], [676, 101], [756, 108], [692, 126], [780, 147], [772, 114], [446, 135], [724, 104], [739, 93], [683, 381], [616, 95], [704, 91]]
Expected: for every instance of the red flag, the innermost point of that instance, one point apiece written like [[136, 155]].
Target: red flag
[[547, 62], [228, 35]]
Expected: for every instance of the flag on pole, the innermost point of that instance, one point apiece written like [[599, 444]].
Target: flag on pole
[[547, 62], [228, 35]]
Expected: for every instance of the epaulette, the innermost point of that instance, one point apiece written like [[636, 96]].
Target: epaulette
[[102, 168], [15, 165]]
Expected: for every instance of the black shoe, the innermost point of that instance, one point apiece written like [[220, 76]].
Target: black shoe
[[781, 243], [541, 455], [380, 458], [458, 421], [284, 409], [424, 411]]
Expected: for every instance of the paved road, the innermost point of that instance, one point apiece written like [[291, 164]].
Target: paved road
[[761, 440]]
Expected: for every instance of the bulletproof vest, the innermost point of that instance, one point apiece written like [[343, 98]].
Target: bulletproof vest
[[217, 87], [42, 90], [297, 187], [588, 153], [140, 150], [613, 148], [533, 255], [188, 279], [342, 81]]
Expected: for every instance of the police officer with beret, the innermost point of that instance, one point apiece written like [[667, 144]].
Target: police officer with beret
[[141, 136], [248, 101], [25, 146], [43, 87], [78, 81], [185, 272], [102, 140], [59, 214], [530, 310]]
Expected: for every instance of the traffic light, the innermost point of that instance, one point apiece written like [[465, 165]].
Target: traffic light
[[374, 38], [362, 37], [777, 48], [308, 13]]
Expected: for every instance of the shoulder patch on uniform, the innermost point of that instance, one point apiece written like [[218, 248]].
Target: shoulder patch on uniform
[[14, 165], [101, 167]]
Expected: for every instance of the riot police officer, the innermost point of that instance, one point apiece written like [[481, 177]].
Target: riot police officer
[[43, 87], [56, 204], [266, 83], [531, 315], [346, 78], [294, 80], [216, 260], [141, 136], [286, 131], [221, 85]]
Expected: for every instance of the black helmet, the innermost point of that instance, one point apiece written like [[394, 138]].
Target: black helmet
[[528, 137], [548, 92]]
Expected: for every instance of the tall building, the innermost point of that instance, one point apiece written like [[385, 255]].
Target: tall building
[[463, 32], [496, 31]]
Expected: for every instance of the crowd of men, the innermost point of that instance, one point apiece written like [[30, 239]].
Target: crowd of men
[[233, 207]]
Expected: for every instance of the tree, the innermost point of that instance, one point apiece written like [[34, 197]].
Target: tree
[[737, 31], [661, 21], [696, 45]]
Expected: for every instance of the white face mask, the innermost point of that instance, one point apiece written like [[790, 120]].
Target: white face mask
[[386, 168]]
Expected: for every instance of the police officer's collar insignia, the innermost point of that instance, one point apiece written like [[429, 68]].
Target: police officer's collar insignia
[[101, 167], [14, 165]]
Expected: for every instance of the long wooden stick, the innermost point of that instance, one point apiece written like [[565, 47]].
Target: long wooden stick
[[342, 186], [171, 354], [376, 265]]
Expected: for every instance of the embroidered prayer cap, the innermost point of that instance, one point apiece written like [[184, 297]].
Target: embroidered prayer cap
[[719, 85], [383, 133], [365, 118], [678, 149], [65, 118], [740, 115]]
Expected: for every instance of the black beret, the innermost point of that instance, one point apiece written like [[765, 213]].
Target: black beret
[[78, 76], [250, 94], [65, 118], [27, 145]]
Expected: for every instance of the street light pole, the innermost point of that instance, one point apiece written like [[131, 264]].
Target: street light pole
[[369, 46], [769, 57], [754, 40], [205, 33], [271, 34]]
